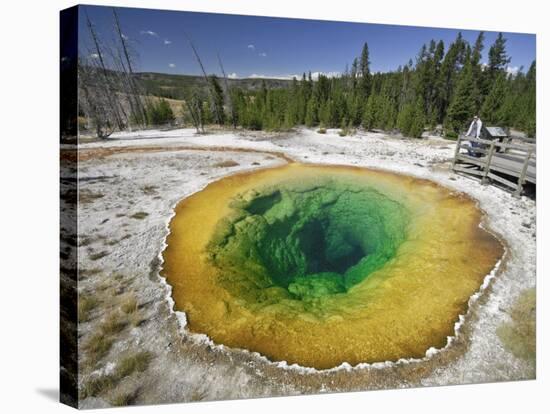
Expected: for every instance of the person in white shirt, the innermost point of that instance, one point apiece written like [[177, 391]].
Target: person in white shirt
[[473, 132]]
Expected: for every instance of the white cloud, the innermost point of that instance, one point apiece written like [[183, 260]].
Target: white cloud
[[262, 54], [233, 76], [94, 56], [251, 47], [167, 42], [315, 75], [512, 70], [171, 65], [124, 36], [149, 32], [282, 77]]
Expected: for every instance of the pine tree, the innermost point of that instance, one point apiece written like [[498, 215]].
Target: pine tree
[[435, 85], [450, 69], [206, 113], [312, 116], [477, 72], [490, 112], [364, 69], [217, 100], [405, 118], [165, 112], [159, 113], [498, 61], [418, 120], [463, 105], [528, 101], [369, 117]]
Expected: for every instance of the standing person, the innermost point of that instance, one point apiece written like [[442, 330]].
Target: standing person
[[474, 131]]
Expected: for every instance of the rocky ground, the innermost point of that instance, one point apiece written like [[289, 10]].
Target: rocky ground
[[134, 348]]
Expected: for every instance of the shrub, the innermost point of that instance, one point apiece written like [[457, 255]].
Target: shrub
[[159, 113], [450, 134]]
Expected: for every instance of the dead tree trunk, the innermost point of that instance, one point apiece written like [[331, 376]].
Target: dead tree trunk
[[219, 116], [92, 104], [135, 102], [113, 102], [194, 106], [230, 103]]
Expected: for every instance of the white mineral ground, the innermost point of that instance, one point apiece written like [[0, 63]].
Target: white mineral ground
[[159, 168]]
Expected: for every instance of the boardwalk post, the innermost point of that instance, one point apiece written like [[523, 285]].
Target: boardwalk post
[[457, 150], [521, 179], [484, 179]]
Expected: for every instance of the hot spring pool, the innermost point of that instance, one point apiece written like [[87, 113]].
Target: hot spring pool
[[320, 265]]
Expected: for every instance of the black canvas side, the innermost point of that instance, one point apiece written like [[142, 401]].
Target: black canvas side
[[68, 206]]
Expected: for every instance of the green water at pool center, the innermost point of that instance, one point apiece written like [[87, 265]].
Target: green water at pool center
[[307, 240]]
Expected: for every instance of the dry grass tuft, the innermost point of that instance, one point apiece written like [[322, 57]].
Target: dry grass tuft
[[97, 346], [87, 196], [96, 386], [198, 395], [123, 398], [519, 336], [85, 305], [129, 304], [85, 273], [100, 255], [226, 164], [113, 324], [140, 215], [149, 189], [137, 362]]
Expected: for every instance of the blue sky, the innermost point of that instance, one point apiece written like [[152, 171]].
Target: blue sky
[[274, 47]]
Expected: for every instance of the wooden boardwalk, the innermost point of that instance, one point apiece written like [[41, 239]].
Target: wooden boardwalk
[[509, 164]]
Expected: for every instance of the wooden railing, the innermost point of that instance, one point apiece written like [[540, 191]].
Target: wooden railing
[[509, 164]]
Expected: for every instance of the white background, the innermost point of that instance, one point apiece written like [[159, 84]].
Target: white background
[[29, 285]]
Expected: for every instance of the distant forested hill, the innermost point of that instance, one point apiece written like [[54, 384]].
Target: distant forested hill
[[174, 86]]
